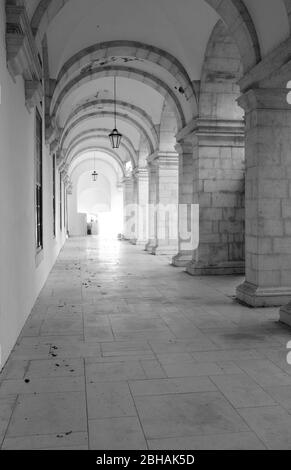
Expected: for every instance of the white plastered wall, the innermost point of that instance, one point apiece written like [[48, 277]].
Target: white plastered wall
[[22, 276]]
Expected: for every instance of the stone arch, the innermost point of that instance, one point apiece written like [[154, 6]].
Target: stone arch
[[167, 130], [109, 52], [221, 72], [87, 140], [121, 116], [103, 133], [287, 4], [96, 148], [143, 153], [123, 105], [241, 28], [127, 72]]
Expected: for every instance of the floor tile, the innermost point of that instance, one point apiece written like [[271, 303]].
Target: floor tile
[[55, 368], [48, 414], [265, 373], [172, 386], [109, 400], [51, 442], [114, 372], [281, 394], [192, 369], [6, 408], [37, 385], [116, 434], [169, 416], [242, 391], [234, 441], [271, 424]]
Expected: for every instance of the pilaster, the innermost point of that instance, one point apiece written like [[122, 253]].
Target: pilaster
[[129, 208], [268, 199], [186, 242], [142, 186], [166, 205], [218, 190]]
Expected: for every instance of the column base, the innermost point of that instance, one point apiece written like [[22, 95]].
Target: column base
[[285, 314], [149, 246], [164, 250], [220, 269], [255, 296], [142, 243], [181, 260], [132, 241]]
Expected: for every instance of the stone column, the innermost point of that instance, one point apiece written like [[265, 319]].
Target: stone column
[[142, 186], [152, 220], [166, 227], [219, 166], [268, 199], [186, 204], [129, 208]]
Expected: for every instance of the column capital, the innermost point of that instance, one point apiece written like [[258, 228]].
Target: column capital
[[127, 180], [141, 173], [264, 98], [166, 158], [184, 146], [213, 132]]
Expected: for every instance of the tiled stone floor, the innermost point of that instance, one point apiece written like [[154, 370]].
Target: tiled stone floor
[[123, 351]]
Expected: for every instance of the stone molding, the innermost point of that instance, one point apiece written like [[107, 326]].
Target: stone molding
[[22, 56], [169, 159], [141, 173], [184, 147], [128, 180], [263, 296], [33, 93], [271, 70], [267, 98], [213, 132]]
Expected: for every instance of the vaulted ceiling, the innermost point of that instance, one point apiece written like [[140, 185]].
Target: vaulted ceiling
[[155, 48]]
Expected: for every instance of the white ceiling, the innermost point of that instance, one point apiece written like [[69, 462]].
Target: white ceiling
[[182, 28]]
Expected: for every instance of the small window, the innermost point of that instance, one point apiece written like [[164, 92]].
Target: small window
[[38, 185]]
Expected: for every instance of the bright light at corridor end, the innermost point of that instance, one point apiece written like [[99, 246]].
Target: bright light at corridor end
[[110, 225]]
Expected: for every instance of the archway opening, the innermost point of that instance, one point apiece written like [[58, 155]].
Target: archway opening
[[96, 207]]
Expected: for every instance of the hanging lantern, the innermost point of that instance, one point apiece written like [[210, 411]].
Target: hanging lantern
[[94, 174], [115, 136], [115, 139]]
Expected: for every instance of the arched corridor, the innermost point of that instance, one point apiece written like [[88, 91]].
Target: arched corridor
[[145, 247]]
